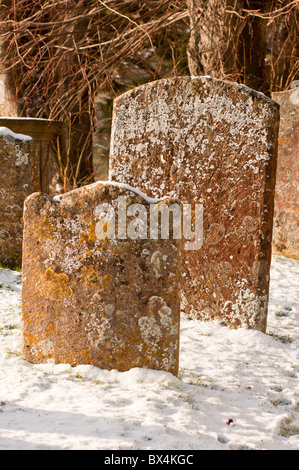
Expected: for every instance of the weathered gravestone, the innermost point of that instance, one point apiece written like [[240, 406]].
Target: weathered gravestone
[[46, 134], [206, 141], [286, 208], [92, 292], [19, 177], [24, 156]]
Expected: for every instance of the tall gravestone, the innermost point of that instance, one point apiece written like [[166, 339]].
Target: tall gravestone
[[97, 289], [210, 142], [25, 156], [286, 208]]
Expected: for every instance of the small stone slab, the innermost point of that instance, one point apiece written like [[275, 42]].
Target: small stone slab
[[210, 142], [286, 209], [26, 157], [45, 134], [110, 301], [19, 177]]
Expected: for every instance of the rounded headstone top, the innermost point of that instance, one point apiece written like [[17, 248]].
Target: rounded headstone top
[[194, 82]]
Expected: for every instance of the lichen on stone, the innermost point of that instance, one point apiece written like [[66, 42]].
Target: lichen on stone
[[55, 286]]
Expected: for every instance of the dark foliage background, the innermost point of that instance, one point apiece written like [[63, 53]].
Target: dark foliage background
[[60, 55]]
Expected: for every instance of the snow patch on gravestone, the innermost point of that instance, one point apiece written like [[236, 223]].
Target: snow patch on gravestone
[[5, 132]]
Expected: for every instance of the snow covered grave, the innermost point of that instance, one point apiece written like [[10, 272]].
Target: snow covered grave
[[286, 208], [212, 142], [96, 288], [247, 376], [24, 155]]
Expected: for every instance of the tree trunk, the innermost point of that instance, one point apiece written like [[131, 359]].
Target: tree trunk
[[237, 40], [75, 81], [207, 37]]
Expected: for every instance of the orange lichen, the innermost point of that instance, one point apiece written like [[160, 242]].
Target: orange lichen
[[55, 286], [45, 230], [89, 276], [92, 234], [106, 280]]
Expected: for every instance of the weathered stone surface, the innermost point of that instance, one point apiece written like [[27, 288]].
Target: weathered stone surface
[[25, 169], [207, 141], [19, 177], [286, 208], [112, 303], [45, 133]]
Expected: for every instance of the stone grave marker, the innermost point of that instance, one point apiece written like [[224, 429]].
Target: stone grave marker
[[286, 208], [19, 177], [97, 289], [25, 150], [210, 142], [44, 133]]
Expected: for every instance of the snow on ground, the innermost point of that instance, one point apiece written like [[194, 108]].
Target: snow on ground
[[241, 375]]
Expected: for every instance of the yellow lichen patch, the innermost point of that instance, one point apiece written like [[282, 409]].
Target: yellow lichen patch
[[106, 280], [92, 233], [45, 230], [84, 236], [89, 276], [25, 315], [54, 286]]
